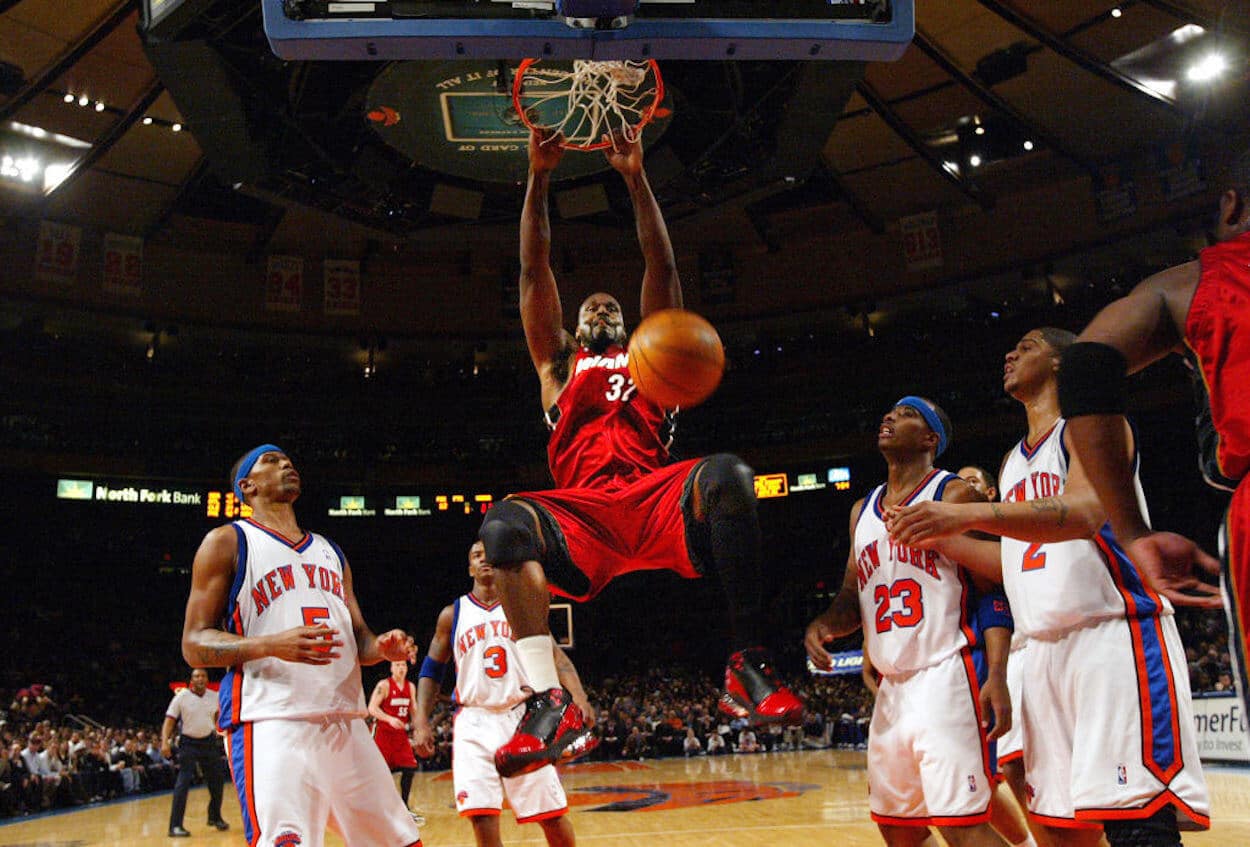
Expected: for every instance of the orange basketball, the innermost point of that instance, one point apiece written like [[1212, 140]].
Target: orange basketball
[[676, 358]]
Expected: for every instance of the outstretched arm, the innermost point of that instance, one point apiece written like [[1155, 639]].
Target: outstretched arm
[[661, 285], [541, 314], [204, 645], [427, 687]]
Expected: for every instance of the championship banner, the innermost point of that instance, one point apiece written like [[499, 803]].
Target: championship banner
[[1220, 727], [284, 284], [844, 664], [56, 255], [922, 241], [123, 264], [342, 287], [1180, 173]]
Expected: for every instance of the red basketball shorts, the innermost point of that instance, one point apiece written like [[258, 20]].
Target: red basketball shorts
[[598, 535], [395, 747]]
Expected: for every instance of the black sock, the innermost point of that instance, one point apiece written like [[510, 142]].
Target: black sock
[[1158, 830], [405, 783]]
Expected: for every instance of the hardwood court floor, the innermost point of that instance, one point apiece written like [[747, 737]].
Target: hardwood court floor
[[809, 799]]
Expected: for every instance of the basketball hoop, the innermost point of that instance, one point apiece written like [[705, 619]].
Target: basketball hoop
[[590, 101]]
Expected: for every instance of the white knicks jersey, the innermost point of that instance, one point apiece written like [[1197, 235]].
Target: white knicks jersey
[[914, 602], [488, 670], [279, 584], [1055, 586]]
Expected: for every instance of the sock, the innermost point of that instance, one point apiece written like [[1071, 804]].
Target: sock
[[405, 783], [736, 555], [538, 661]]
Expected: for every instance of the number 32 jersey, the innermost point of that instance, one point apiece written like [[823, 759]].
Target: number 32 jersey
[[915, 603], [488, 672], [603, 433], [1059, 585]]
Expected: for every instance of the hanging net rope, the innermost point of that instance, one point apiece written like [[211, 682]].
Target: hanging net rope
[[591, 101]]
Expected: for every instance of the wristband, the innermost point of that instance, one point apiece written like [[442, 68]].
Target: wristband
[[431, 669], [1092, 380]]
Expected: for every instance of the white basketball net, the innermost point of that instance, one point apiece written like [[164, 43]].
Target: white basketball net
[[601, 98]]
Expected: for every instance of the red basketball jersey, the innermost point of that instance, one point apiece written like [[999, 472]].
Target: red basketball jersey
[[397, 703], [604, 434], [1218, 331]]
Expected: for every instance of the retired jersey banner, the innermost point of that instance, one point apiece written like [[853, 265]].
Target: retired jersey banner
[[342, 287], [123, 264], [922, 241], [284, 284], [845, 663], [56, 255], [1114, 195]]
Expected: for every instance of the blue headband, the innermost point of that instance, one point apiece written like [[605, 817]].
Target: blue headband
[[245, 466], [930, 417]]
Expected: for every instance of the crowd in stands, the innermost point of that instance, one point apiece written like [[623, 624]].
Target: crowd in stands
[[1205, 636]]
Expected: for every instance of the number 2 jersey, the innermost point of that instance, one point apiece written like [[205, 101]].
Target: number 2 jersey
[[488, 672], [279, 584], [916, 604], [1056, 586], [603, 433]]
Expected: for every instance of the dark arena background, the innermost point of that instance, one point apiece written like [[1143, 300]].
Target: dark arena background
[[204, 247]]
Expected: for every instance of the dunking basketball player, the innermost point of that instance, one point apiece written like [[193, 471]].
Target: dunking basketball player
[[618, 506], [928, 765], [1108, 724], [292, 702], [490, 688]]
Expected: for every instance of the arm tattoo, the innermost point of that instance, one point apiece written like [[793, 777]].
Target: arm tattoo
[[219, 652], [998, 513], [1052, 504]]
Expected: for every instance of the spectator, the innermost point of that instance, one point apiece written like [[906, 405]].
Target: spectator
[[691, 745], [747, 742], [716, 745]]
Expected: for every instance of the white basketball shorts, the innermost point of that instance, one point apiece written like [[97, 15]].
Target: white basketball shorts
[[295, 777], [476, 734]]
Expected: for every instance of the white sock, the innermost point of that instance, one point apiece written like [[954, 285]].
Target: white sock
[[1027, 842], [538, 661]]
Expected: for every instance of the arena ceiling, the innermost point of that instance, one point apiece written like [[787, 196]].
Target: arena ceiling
[[172, 129]]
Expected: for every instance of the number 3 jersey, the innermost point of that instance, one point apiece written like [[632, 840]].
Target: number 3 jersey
[[916, 604], [280, 584], [603, 433], [488, 672], [1056, 586]]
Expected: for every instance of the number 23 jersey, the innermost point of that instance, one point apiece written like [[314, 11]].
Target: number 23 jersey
[[488, 672], [915, 603]]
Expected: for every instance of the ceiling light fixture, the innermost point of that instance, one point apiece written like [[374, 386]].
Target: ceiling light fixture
[[84, 100], [99, 105], [1028, 145], [176, 128], [1207, 68], [974, 160], [69, 97], [1116, 12]]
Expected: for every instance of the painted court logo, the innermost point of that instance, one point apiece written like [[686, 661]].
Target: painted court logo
[[287, 839]]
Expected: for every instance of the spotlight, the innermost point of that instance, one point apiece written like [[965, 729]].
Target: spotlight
[[147, 121], [980, 130], [99, 105], [1207, 68], [1116, 12], [176, 128], [1028, 145], [68, 98], [974, 160], [84, 100], [951, 166]]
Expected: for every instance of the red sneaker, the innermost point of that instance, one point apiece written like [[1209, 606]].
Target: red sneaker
[[753, 691], [552, 725]]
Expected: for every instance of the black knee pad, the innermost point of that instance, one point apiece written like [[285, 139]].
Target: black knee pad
[[507, 533], [726, 485], [1158, 830]]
